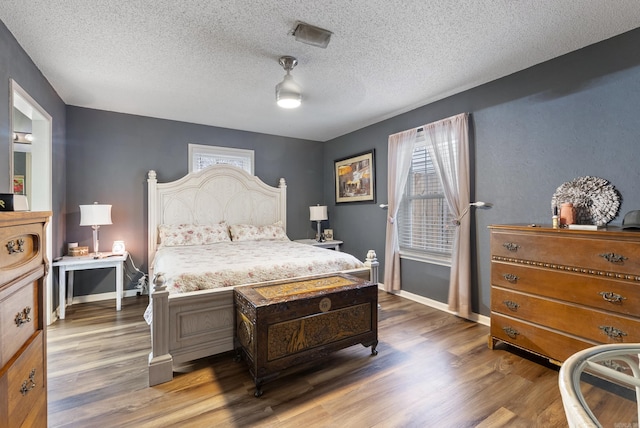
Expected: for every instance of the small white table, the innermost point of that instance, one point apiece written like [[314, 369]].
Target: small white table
[[71, 264], [333, 244]]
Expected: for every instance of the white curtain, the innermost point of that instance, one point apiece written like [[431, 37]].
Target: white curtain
[[452, 166], [400, 153]]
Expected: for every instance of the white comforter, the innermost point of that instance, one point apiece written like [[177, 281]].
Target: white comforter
[[190, 268]]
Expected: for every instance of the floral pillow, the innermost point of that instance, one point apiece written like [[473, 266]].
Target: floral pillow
[[174, 235], [249, 232]]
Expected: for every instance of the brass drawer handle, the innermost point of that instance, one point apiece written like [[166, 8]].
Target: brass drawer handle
[[612, 331], [511, 332], [511, 246], [510, 277], [612, 297], [23, 317], [613, 257], [511, 305], [29, 384], [13, 248]]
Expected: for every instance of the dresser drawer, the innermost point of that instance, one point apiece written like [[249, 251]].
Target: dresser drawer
[[537, 339], [23, 387], [567, 248], [18, 315], [590, 324], [590, 290], [21, 250]]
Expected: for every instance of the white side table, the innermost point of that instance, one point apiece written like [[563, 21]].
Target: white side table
[[71, 264], [334, 244]]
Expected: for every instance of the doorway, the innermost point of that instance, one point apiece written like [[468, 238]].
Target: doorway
[[31, 165]]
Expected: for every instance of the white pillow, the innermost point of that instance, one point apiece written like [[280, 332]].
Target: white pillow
[[249, 232], [174, 235]]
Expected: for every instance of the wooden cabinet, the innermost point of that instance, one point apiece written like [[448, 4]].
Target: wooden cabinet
[[287, 323], [557, 291], [23, 266]]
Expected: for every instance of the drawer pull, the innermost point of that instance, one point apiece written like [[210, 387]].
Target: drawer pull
[[613, 257], [510, 277], [511, 332], [23, 317], [511, 246], [29, 384], [511, 305], [13, 248], [612, 332], [612, 297]]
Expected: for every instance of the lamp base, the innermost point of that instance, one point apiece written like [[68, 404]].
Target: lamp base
[[96, 242], [319, 236]]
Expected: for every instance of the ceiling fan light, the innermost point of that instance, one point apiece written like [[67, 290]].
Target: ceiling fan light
[[288, 92], [289, 102]]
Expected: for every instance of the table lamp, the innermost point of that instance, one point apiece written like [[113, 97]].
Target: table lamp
[[95, 215], [317, 214]]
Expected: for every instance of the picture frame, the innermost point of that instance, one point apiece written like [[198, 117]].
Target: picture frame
[[328, 234], [18, 184], [355, 178]]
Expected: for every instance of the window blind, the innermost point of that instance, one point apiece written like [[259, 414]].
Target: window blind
[[424, 221]]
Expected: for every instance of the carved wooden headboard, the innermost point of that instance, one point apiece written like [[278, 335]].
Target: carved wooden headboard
[[218, 193]]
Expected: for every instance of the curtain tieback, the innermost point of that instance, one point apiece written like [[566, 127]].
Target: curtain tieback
[[459, 218], [391, 220]]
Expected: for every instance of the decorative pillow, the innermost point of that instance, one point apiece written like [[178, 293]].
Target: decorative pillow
[[174, 235], [249, 232]]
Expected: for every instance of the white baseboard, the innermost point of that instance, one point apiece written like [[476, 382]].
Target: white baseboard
[[102, 296], [480, 319], [93, 298]]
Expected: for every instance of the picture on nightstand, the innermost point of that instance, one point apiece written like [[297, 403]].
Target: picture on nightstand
[[328, 234]]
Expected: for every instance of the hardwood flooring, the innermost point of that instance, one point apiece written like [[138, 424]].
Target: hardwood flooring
[[433, 370]]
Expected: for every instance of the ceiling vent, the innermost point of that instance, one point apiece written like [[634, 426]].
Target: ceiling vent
[[312, 35]]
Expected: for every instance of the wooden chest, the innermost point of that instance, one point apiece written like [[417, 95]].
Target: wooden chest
[[555, 291], [23, 389], [286, 323]]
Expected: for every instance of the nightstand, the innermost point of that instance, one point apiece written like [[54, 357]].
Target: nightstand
[[333, 245], [71, 264]]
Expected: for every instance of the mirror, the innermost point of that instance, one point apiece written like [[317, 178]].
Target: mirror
[[22, 143], [30, 163]]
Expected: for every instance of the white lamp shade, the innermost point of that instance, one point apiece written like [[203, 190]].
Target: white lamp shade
[[318, 213], [288, 93], [95, 214]]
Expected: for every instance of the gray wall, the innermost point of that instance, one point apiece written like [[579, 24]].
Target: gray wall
[[531, 131], [15, 64], [109, 155]]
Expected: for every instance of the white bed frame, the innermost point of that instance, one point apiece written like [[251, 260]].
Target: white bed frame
[[198, 324]]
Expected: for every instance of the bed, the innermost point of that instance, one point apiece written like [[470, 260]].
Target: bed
[[191, 310]]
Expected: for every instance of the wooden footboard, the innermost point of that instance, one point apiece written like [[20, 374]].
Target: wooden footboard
[[199, 324]]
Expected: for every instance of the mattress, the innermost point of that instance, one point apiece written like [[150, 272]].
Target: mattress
[[225, 264]]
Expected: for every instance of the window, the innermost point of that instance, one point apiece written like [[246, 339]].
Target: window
[[425, 224], [201, 157]]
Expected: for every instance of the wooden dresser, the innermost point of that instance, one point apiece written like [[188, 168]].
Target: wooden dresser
[[557, 291], [23, 266]]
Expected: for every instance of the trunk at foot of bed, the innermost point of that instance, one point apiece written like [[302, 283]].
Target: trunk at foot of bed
[[160, 361]]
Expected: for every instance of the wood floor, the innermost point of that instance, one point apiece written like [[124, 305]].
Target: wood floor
[[433, 370]]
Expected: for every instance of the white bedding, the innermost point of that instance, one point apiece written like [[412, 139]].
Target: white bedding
[[223, 264]]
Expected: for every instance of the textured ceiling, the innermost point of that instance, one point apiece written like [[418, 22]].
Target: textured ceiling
[[216, 62]]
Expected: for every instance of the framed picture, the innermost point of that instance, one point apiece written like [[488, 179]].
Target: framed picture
[[328, 234], [18, 184], [355, 178]]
